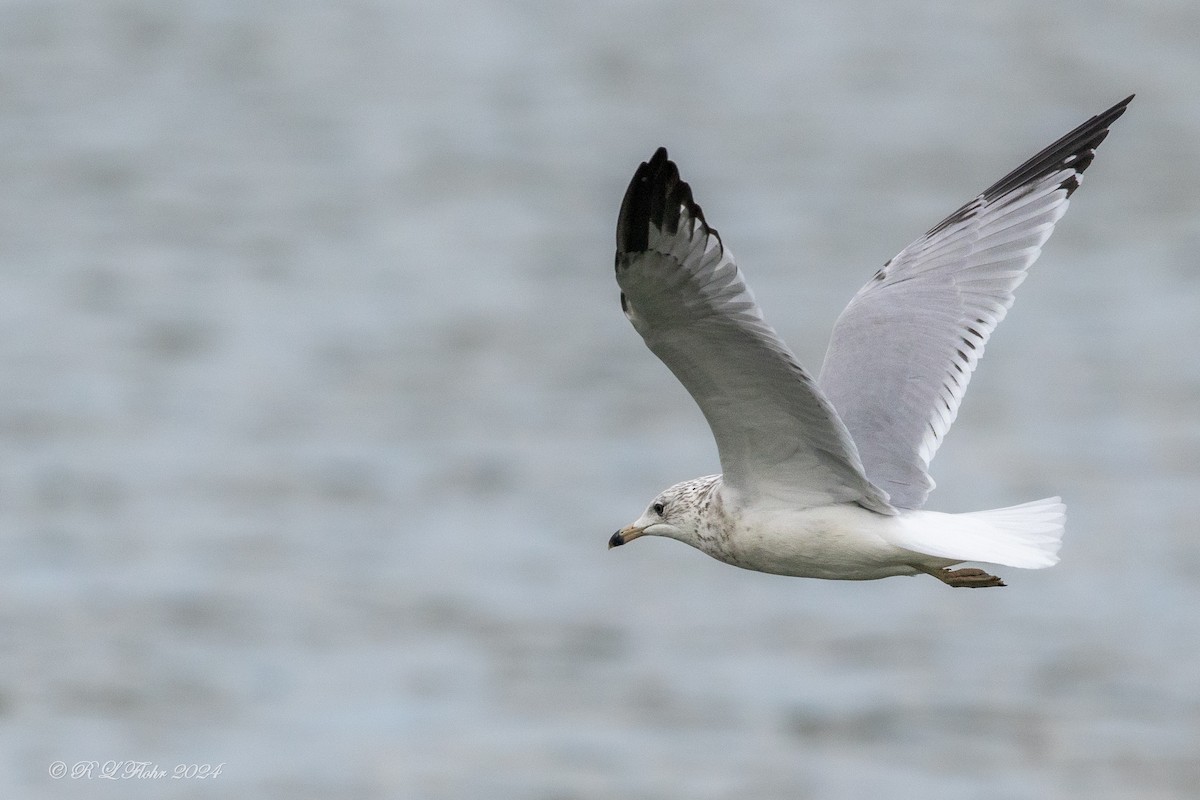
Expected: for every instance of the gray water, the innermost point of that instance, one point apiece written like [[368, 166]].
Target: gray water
[[318, 407]]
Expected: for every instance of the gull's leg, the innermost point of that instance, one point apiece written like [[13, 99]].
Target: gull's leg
[[969, 577]]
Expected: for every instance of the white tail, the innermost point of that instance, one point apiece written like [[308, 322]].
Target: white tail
[[1026, 536]]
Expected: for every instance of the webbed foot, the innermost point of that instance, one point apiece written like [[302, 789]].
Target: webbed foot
[[969, 578]]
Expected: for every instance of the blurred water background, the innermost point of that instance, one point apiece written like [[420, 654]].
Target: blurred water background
[[318, 407]]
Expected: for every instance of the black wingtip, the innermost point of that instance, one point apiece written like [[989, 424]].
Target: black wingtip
[[1075, 150], [655, 196]]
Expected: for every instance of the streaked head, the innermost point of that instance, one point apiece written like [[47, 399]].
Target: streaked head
[[676, 513]]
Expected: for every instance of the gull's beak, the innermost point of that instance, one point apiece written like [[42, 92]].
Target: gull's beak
[[627, 534]]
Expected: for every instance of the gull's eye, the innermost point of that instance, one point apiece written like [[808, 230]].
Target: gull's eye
[[658, 508]]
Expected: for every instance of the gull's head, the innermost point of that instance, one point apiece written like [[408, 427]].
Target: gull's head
[[677, 513]]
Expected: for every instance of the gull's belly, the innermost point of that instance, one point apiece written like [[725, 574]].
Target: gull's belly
[[842, 542]]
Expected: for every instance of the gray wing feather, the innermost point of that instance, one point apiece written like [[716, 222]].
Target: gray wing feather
[[777, 435], [903, 351]]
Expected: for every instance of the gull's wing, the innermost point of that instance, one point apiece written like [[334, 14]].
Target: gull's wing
[[777, 435], [903, 351]]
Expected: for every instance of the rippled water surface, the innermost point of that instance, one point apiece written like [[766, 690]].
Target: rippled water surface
[[319, 409]]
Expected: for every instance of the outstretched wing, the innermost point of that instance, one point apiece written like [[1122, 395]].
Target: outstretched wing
[[903, 351], [777, 435]]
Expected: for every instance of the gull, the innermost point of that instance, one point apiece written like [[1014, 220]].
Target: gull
[[827, 478]]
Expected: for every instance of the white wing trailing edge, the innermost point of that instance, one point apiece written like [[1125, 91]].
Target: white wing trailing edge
[[903, 350]]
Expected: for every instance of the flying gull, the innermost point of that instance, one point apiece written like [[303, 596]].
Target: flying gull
[[827, 478]]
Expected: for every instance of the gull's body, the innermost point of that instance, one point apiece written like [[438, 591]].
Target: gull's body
[[827, 478]]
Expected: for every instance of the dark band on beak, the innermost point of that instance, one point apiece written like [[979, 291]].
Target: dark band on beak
[[625, 536]]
